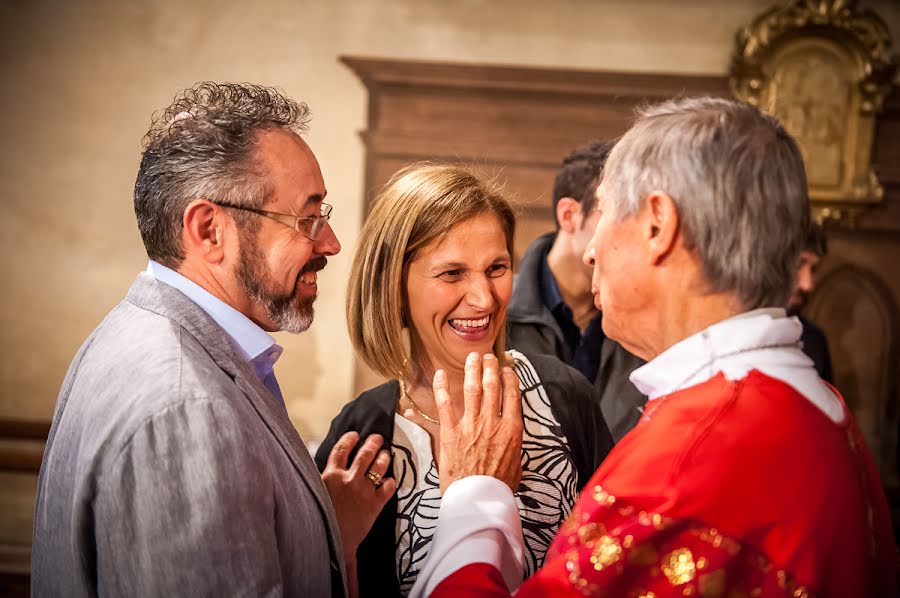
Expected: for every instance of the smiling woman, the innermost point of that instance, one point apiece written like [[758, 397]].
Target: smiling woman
[[430, 284], [457, 290]]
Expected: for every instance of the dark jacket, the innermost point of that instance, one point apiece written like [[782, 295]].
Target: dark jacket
[[532, 329], [373, 411], [815, 345]]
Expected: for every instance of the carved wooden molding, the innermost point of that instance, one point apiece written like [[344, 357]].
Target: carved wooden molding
[[380, 73], [499, 115]]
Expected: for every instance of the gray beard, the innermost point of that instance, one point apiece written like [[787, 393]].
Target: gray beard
[[283, 310]]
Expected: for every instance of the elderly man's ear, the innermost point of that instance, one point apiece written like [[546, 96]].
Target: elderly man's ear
[[661, 225], [568, 214], [204, 228]]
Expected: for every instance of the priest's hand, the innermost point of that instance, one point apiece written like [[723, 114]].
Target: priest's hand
[[486, 437]]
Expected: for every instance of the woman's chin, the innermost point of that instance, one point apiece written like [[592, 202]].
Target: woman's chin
[[459, 344]]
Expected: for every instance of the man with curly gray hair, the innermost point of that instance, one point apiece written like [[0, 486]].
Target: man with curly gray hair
[[172, 467]]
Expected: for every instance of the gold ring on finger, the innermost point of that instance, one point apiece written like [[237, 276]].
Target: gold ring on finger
[[375, 477]]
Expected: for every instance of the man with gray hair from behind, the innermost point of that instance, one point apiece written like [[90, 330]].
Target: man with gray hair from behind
[[746, 475], [172, 468]]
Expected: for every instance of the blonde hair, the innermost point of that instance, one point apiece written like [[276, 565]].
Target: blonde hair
[[420, 204]]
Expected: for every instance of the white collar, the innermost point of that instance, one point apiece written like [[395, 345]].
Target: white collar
[[763, 339]]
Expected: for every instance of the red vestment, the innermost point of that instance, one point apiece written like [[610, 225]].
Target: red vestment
[[726, 489]]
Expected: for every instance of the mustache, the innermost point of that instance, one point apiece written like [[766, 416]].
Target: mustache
[[314, 265]]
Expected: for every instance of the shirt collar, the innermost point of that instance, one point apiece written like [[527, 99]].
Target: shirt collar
[[698, 357], [550, 294], [762, 339], [257, 345]]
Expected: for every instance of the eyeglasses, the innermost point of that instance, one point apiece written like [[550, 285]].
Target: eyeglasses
[[310, 226]]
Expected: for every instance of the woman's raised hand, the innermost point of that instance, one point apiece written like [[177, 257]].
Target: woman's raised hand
[[486, 437]]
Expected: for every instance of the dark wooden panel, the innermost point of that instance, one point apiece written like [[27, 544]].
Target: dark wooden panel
[[24, 429], [886, 153], [886, 161], [22, 456], [21, 450], [22, 445], [15, 571]]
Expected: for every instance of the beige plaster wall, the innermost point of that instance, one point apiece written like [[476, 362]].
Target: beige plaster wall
[[79, 80]]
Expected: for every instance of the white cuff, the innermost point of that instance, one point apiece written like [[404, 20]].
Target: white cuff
[[479, 522]]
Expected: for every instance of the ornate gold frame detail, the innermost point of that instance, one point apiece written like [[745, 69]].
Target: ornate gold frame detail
[[822, 67]]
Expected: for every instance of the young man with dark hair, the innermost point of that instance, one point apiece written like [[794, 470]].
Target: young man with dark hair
[[552, 310]]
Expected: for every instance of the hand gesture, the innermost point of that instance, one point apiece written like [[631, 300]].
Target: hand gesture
[[359, 492], [483, 439]]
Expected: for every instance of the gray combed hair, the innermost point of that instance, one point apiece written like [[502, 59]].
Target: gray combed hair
[[202, 146], [737, 179]]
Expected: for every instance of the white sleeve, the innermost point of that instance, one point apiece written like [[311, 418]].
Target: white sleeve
[[478, 522]]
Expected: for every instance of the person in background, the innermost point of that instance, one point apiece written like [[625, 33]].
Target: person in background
[[815, 345], [172, 468], [552, 311], [746, 474], [429, 286]]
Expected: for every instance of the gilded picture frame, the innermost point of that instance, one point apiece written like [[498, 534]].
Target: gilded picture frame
[[824, 68]]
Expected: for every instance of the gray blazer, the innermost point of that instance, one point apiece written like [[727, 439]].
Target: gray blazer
[[170, 470]]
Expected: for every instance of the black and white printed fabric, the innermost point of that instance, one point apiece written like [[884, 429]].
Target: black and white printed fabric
[[545, 495]]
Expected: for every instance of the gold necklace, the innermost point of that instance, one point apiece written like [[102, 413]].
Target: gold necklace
[[415, 407]]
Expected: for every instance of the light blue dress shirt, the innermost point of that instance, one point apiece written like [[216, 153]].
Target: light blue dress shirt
[[258, 347]]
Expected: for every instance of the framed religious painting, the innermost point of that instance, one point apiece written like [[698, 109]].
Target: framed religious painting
[[824, 68]]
